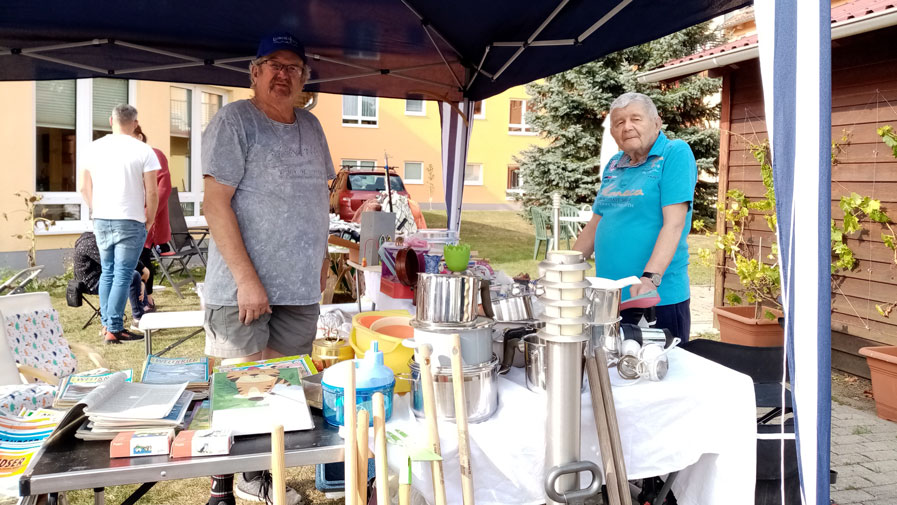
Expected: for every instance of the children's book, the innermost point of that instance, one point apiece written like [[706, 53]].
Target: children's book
[[73, 388], [301, 362], [254, 400]]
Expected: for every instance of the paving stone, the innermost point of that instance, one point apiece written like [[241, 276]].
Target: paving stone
[[849, 449], [851, 496], [885, 445], [852, 482], [885, 436], [882, 465], [849, 459], [850, 439]]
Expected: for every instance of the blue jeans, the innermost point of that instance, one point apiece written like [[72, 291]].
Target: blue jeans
[[120, 242], [134, 296]]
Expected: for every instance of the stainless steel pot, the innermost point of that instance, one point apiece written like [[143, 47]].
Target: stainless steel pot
[[450, 298], [604, 304], [607, 336], [476, 342], [480, 391], [513, 308], [536, 359]]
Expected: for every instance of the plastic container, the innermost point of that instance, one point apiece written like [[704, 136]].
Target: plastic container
[[395, 355], [371, 377]]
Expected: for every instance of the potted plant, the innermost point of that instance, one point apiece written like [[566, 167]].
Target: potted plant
[[751, 318]]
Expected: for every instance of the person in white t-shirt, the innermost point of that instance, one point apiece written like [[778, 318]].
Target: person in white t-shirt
[[119, 186]]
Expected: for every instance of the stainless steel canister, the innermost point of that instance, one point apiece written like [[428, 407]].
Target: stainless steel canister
[[607, 336], [450, 299], [536, 362], [480, 391], [604, 304]]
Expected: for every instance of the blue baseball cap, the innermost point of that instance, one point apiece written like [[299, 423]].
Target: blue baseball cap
[[281, 41]]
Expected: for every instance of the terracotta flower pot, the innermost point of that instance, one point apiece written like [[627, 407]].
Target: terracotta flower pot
[[883, 365], [737, 325]]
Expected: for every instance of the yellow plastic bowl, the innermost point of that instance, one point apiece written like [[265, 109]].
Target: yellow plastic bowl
[[395, 355]]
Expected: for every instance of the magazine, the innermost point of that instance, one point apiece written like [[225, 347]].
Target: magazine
[[73, 388], [159, 370], [302, 363], [250, 401], [106, 429], [117, 399]]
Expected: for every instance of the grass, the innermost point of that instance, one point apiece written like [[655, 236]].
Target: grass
[[505, 238]]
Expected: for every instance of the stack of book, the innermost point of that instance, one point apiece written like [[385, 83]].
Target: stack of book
[[73, 388], [117, 406], [194, 371]]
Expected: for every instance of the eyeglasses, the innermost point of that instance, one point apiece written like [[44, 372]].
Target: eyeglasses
[[293, 70]]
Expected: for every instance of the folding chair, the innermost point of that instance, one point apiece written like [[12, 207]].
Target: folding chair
[[184, 246], [76, 294], [17, 283]]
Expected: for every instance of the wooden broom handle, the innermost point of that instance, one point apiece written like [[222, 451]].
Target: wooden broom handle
[[278, 477], [461, 422], [350, 452], [363, 452], [380, 462], [426, 380]]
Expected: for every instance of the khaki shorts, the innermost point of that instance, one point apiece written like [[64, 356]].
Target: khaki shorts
[[288, 329]]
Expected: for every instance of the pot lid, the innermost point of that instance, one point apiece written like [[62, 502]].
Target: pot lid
[[565, 257]]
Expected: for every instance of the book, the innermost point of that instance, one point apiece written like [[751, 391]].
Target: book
[[194, 371], [117, 399], [301, 362], [128, 444], [202, 417], [189, 443], [250, 401], [107, 429], [73, 388]]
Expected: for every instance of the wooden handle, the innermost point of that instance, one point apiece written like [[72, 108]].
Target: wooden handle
[[604, 442], [381, 468], [426, 382], [404, 494], [350, 453], [461, 421], [278, 477], [607, 397], [362, 475]]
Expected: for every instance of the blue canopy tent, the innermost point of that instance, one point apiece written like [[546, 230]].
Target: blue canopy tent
[[455, 52]]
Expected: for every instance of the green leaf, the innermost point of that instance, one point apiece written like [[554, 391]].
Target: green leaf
[[889, 241], [851, 223], [769, 315]]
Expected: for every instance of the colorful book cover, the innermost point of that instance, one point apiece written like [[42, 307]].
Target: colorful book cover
[[302, 362], [253, 400], [75, 387], [159, 370]]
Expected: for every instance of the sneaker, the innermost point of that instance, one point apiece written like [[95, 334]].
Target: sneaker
[[120, 336], [259, 490]]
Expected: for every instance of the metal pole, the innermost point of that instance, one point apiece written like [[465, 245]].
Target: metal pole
[[564, 383]]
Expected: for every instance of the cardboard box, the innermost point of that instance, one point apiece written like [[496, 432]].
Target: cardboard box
[[191, 443], [129, 444]]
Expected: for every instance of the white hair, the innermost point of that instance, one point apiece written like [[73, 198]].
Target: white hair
[[124, 114], [626, 99]]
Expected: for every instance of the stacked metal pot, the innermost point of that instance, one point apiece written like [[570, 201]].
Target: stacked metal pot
[[447, 304], [564, 338]]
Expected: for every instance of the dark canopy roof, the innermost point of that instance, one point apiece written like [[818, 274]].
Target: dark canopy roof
[[389, 48]]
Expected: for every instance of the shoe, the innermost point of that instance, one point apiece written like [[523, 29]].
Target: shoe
[[120, 336], [259, 490], [168, 253]]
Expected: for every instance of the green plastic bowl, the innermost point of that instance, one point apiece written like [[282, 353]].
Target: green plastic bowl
[[456, 257]]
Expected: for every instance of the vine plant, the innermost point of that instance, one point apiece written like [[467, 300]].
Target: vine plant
[[756, 265], [33, 221]]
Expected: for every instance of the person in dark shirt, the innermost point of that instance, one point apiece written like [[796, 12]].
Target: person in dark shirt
[[87, 269]]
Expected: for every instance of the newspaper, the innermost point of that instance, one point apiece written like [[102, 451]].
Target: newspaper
[[159, 370], [72, 388]]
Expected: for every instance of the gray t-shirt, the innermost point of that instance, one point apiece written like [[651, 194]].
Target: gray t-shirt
[[280, 172]]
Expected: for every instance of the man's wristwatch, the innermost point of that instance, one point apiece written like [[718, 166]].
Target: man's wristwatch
[[655, 278]]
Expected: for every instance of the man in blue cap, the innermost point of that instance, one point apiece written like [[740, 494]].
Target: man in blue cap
[[266, 167]]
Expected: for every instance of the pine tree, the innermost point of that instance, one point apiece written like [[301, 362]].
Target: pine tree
[[569, 108]]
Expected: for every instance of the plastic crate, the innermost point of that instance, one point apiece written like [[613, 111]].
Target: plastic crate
[[330, 477]]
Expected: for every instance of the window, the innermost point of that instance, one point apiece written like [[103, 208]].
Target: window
[[415, 107], [365, 164], [188, 118], [414, 172], [479, 109], [514, 181], [374, 182], [107, 93], [473, 174], [359, 111], [68, 115], [517, 123]]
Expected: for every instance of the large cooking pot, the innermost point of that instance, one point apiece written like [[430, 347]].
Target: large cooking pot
[[476, 342], [536, 368], [480, 391], [451, 299], [513, 308]]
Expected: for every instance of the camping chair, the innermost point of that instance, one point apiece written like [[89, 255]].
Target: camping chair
[[540, 225], [34, 353], [184, 246], [76, 294], [765, 367], [17, 283]]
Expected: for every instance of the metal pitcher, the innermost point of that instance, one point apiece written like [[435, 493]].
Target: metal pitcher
[[604, 304]]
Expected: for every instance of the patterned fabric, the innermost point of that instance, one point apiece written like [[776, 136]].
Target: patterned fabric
[[21, 396], [35, 339]]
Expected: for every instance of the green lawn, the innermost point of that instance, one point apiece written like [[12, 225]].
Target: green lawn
[[505, 238]]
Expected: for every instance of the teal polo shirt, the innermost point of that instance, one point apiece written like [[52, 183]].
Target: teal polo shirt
[[630, 202]]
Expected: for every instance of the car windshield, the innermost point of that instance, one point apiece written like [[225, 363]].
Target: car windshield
[[374, 182]]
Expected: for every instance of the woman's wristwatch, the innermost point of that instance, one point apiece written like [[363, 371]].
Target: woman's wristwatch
[[653, 277]]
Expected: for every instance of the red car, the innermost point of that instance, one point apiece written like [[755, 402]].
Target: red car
[[352, 187]]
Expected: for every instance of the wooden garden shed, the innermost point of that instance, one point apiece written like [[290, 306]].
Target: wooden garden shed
[[864, 98]]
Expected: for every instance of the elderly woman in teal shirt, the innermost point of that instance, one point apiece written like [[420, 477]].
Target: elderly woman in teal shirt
[[642, 213]]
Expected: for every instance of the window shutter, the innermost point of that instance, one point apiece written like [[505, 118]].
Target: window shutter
[[107, 93], [55, 102]]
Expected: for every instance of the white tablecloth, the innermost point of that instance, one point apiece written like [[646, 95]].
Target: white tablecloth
[[700, 421]]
